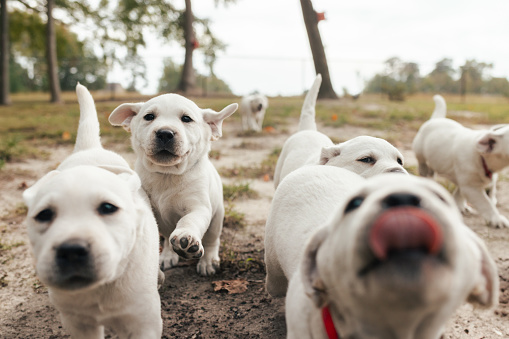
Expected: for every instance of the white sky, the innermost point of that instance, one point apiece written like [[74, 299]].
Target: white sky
[[268, 48]]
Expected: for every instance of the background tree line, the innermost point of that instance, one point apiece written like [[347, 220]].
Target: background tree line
[[403, 78]]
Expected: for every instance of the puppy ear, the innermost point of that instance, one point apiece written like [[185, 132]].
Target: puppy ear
[[30, 193], [123, 114], [485, 292], [127, 174], [313, 284], [215, 120], [486, 142], [329, 153]]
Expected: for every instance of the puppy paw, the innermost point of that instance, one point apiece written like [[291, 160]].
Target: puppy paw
[[160, 279], [168, 259], [186, 245], [207, 267], [498, 221], [467, 210]]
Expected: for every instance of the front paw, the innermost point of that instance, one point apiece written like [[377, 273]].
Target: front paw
[[186, 245], [498, 221]]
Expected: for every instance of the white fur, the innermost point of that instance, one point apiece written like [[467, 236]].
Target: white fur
[[455, 152], [363, 155], [408, 299], [171, 138], [252, 111], [100, 265]]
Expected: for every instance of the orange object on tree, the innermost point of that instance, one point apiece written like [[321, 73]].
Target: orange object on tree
[[320, 16]]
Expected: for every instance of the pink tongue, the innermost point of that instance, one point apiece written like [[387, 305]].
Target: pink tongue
[[405, 228]]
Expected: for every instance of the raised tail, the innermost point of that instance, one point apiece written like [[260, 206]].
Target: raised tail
[[88, 129], [307, 114], [440, 107]]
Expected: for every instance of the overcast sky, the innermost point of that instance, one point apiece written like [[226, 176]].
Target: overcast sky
[[268, 48]]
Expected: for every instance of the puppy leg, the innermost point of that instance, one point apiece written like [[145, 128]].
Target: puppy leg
[[461, 202], [209, 263], [424, 170], [82, 328], [275, 282], [186, 238], [168, 258], [478, 197], [492, 190]]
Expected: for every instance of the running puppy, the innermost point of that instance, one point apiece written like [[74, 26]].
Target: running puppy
[[171, 137], [469, 158], [364, 155], [95, 239], [252, 111], [395, 260]]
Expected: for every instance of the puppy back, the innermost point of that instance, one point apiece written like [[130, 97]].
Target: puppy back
[[88, 129], [440, 107]]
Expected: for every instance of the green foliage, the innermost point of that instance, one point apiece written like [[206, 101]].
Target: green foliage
[[233, 219], [238, 191]]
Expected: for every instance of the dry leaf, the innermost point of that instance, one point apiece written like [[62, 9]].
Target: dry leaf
[[334, 117], [66, 136], [266, 178], [231, 286]]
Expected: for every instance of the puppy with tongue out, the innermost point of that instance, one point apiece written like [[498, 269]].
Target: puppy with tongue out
[[394, 261]]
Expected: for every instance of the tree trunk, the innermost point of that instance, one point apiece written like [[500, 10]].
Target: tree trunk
[[188, 79], [4, 55], [319, 58], [51, 55]]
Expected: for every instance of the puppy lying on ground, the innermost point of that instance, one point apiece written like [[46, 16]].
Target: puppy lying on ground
[[364, 155], [394, 261], [171, 137], [252, 111], [95, 239], [468, 158]]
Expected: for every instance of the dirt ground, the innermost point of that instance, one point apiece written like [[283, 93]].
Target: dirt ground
[[191, 308]]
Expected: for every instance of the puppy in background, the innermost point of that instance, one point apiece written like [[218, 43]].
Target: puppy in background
[[469, 158], [171, 138], [95, 239], [364, 155], [393, 260], [252, 111]]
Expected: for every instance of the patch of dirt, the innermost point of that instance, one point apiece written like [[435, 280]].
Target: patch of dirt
[[191, 308]]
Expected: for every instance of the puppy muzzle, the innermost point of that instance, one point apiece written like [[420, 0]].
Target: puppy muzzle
[[74, 265]]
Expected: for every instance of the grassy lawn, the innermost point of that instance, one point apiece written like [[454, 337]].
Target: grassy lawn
[[31, 123]]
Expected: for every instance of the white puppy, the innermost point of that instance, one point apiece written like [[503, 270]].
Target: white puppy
[[252, 111], [171, 137], [95, 239], [469, 158], [364, 155], [394, 260]]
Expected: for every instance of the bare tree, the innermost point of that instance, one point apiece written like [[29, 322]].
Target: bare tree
[[4, 54], [51, 54], [319, 58], [188, 79]]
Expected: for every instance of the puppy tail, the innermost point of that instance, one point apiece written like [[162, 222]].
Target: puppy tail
[[88, 129], [307, 114], [440, 107]]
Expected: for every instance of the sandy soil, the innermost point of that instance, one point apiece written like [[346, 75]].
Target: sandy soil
[[191, 308]]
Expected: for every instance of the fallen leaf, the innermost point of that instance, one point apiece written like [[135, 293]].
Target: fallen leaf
[[66, 136], [269, 129], [266, 177], [334, 117], [231, 286]]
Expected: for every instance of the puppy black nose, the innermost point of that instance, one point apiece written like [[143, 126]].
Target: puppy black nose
[[72, 253], [401, 199], [165, 135], [260, 107]]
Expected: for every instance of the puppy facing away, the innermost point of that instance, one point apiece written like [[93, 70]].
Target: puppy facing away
[[171, 138], [252, 111], [395, 260], [95, 239], [364, 155], [469, 158]]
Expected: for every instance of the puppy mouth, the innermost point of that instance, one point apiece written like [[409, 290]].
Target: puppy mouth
[[167, 158], [402, 241], [76, 282]]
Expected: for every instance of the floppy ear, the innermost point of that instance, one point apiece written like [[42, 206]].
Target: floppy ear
[[30, 193], [329, 153], [313, 284], [123, 114], [215, 120], [485, 292], [486, 142], [127, 174]]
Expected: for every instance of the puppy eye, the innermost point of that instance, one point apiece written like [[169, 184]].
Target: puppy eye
[[400, 161], [106, 208], [367, 160], [45, 215], [186, 118], [354, 204], [149, 117]]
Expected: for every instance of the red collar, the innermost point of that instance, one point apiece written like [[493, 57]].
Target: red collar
[[487, 172], [329, 324]]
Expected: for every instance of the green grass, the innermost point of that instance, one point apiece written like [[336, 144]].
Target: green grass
[[265, 168], [238, 191]]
